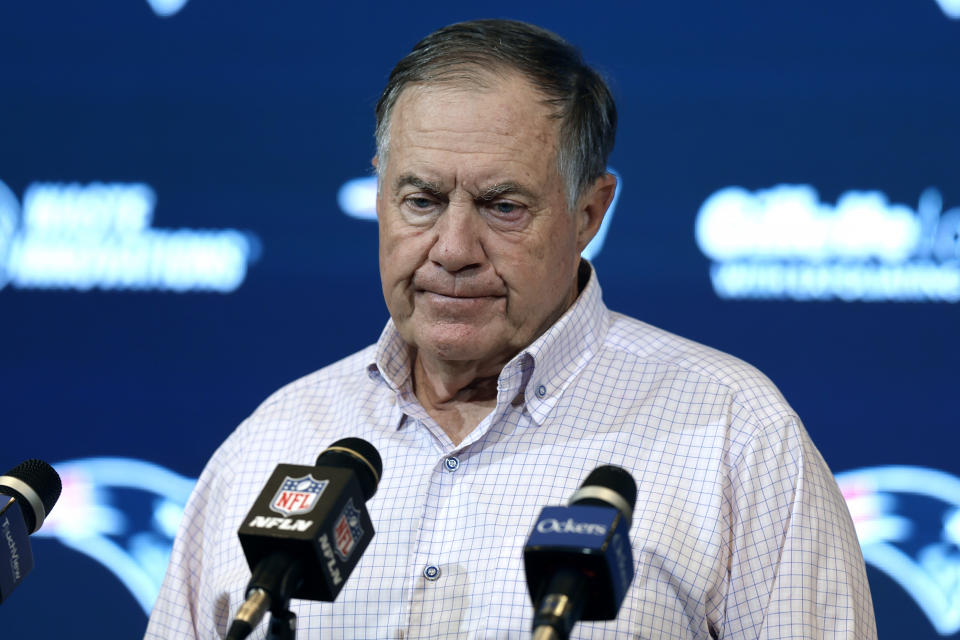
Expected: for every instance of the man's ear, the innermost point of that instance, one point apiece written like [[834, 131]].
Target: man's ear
[[375, 161], [592, 207]]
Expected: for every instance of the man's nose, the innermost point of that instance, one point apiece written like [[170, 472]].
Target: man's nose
[[458, 245]]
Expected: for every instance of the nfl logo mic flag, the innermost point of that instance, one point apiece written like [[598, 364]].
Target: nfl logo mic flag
[[298, 496], [316, 515], [347, 531]]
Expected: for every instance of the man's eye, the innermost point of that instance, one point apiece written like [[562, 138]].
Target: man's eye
[[420, 203], [506, 208]]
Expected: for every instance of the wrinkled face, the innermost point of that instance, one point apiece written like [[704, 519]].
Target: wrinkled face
[[478, 248]]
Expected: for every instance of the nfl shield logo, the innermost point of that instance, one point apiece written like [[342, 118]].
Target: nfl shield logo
[[298, 496], [347, 531]]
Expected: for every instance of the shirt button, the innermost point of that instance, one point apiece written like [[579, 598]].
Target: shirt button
[[452, 463], [541, 391], [431, 572]]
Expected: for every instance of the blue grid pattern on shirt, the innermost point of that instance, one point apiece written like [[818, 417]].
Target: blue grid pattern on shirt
[[739, 526]]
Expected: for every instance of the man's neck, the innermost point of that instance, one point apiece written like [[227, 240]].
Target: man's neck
[[460, 394], [457, 396]]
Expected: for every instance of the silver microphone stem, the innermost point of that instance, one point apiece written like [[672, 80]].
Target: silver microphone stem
[[545, 633]]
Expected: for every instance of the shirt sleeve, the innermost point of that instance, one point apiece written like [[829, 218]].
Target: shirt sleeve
[[185, 607], [796, 570]]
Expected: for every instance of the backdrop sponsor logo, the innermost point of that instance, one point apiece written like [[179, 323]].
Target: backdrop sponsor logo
[[783, 243], [166, 8], [99, 236], [951, 8]]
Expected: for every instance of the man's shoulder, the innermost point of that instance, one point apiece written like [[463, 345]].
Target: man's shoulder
[[343, 377], [650, 345], [301, 418]]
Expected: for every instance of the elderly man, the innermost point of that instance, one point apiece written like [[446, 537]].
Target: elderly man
[[501, 380]]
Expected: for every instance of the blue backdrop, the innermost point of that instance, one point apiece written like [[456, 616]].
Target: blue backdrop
[[177, 241]]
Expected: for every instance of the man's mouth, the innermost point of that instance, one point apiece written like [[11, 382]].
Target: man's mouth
[[461, 296], [459, 303]]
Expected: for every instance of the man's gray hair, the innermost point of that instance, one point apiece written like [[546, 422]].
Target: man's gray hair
[[467, 52]]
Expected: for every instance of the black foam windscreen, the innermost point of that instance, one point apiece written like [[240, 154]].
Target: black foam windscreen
[[360, 456], [614, 478], [42, 479]]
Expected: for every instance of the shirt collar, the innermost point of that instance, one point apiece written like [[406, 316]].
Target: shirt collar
[[538, 374], [563, 350], [393, 363]]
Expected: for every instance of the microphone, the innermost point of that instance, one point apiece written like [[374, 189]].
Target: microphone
[[578, 559], [27, 494], [306, 533]]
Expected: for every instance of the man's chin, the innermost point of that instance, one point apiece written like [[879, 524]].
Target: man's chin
[[465, 343]]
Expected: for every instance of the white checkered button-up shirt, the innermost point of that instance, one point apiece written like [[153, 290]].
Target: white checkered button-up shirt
[[739, 529]]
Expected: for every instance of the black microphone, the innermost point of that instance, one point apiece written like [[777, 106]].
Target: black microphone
[[306, 532], [27, 494], [578, 559]]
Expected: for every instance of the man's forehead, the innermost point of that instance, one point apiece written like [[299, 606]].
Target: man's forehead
[[487, 136], [515, 94]]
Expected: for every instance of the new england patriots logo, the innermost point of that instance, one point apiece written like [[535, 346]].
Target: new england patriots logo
[[297, 496], [908, 523], [347, 531], [124, 514]]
